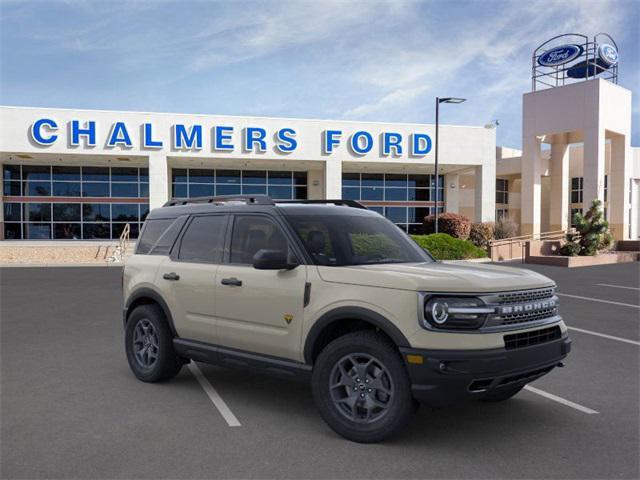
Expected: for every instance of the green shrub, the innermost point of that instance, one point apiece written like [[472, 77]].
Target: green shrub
[[592, 233], [445, 247], [454, 224], [481, 234]]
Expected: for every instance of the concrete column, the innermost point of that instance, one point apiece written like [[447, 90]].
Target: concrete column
[[531, 186], [314, 184], [332, 179], [158, 180], [593, 167], [452, 192], [485, 192], [618, 188], [559, 188]]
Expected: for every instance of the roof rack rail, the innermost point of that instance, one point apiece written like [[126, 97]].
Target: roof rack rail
[[248, 199], [346, 203]]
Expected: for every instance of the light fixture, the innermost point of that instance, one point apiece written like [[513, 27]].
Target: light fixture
[[451, 100], [440, 100]]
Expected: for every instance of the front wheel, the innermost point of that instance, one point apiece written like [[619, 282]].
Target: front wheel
[[361, 387]]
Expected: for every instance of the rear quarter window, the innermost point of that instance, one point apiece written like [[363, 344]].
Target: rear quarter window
[[152, 231]]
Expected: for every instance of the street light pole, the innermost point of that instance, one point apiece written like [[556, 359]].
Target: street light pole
[[438, 102], [436, 162]]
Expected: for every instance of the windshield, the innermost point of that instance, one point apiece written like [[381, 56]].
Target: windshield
[[342, 240]]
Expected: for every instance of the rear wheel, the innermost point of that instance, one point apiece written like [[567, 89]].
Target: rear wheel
[[502, 394], [149, 345], [361, 387]]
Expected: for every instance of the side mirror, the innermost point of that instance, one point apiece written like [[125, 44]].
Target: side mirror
[[272, 260]]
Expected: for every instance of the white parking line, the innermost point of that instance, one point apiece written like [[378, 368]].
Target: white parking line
[[561, 400], [603, 335], [616, 286], [217, 400], [598, 300]]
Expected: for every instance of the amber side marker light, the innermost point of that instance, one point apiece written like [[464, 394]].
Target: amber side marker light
[[415, 359]]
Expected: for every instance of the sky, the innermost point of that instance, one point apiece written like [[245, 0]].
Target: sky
[[345, 60]]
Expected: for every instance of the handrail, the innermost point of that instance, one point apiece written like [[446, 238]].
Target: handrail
[[531, 237], [123, 243]]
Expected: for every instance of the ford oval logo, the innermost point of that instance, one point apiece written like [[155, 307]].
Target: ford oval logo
[[560, 55], [608, 54]]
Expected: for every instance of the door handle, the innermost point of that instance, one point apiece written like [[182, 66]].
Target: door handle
[[234, 282], [171, 276]]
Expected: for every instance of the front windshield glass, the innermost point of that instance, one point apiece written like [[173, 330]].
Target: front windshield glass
[[342, 240]]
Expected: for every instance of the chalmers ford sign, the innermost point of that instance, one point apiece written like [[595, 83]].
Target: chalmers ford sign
[[221, 138]]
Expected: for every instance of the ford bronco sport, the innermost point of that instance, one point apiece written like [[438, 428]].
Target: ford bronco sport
[[331, 292]]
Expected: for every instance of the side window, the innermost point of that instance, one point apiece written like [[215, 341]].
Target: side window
[[203, 240], [252, 233], [151, 232], [168, 238]]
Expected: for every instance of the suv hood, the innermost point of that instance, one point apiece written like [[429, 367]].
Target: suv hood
[[437, 277]]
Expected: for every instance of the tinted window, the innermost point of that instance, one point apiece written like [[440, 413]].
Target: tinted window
[[168, 238], [252, 233], [204, 239], [151, 233]]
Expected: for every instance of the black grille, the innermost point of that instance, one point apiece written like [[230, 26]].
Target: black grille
[[527, 296], [524, 296], [528, 339], [515, 318]]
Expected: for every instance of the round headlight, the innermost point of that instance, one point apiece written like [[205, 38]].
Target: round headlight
[[439, 312]]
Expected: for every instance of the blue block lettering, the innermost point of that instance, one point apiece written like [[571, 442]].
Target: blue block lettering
[[147, 138], [391, 141], [119, 136], [255, 136], [331, 140], [37, 134], [222, 137], [356, 145], [286, 140], [89, 131], [189, 139], [421, 144]]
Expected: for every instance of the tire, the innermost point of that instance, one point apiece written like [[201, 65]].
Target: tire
[[147, 331], [502, 394], [369, 409]]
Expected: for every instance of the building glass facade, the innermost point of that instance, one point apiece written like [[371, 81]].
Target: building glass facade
[[405, 199], [69, 202], [203, 182]]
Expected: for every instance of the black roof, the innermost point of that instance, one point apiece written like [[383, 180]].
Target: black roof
[[258, 203]]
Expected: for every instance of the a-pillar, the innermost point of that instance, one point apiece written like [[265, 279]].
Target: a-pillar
[[158, 180], [332, 179], [618, 188], [531, 186], [593, 167], [559, 195], [485, 192]]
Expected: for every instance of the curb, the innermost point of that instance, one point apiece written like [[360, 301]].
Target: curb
[[61, 265]]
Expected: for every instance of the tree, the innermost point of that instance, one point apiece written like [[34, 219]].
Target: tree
[[591, 235]]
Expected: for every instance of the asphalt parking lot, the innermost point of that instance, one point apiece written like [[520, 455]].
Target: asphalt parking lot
[[71, 408]]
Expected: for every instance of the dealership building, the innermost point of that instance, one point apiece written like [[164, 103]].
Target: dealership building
[[85, 174]]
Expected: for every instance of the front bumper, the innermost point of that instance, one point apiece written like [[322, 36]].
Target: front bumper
[[451, 376]]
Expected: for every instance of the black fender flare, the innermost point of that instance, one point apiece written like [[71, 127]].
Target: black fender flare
[[145, 292], [351, 313]]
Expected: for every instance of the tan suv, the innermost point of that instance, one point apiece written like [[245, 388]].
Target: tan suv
[[331, 292]]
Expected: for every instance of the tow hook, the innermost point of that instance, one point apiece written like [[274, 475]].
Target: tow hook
[[446, 368], [560, 364]]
